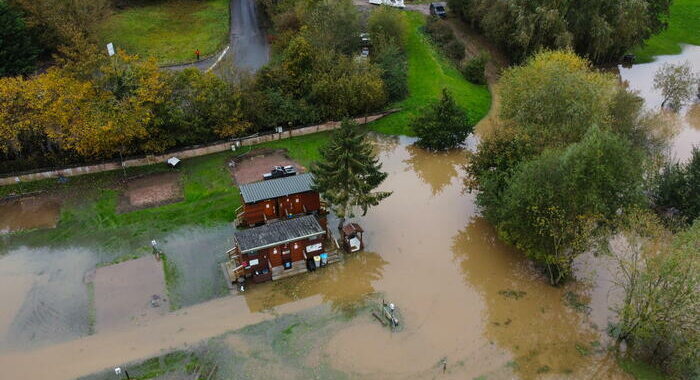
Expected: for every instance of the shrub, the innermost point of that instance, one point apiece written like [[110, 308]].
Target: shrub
[[455, 50], [439, 31], [442, 125], [392, 62], [473, 69]]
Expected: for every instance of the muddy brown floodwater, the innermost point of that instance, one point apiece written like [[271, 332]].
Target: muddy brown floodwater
[[641, 78], [28, 213], [463, 294]]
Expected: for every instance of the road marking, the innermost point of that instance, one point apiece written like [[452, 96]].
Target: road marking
[[218, 59]]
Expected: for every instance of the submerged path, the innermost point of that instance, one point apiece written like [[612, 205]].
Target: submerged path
[[248, 49], [104, 350]]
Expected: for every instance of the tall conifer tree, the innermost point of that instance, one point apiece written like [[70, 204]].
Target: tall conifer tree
[[348, 173]]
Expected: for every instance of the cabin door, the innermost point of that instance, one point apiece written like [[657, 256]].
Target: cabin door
[[270, 209], [297, 204], [286, 206]]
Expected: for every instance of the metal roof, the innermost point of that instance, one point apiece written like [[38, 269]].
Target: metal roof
[[273, 188], [278, 233]]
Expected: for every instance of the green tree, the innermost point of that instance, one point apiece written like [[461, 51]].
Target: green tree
[[600, 30], [392, 62], [555, 97], [442, 125], [18, 52], [678, 188], [556, 204], [349, 173], [678, 84], [658, 315], [389, 24]]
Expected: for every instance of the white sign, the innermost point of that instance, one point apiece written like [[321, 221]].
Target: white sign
[[254, 262], [314, 247], [110, 49]]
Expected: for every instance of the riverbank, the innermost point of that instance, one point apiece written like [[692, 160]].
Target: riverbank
[[683, 28], [169, 31], [428, 74]]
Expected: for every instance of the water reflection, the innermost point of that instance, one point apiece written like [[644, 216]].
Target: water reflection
[[640, 78], [345, 285], [523, 313], [435, 169]]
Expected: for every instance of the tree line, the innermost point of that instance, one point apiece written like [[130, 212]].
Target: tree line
[[600, 30], [90, 106]]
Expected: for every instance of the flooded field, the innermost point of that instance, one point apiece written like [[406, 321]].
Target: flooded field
[[641, 78], [28, 213], [465, 298], [44, 297]]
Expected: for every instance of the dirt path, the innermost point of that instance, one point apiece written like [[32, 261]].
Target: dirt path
[[474, 44], [94, 353]]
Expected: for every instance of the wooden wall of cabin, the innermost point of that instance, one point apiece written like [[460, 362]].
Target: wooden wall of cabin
[[295, 204], [301, 203], [255, 213], [296, 251]]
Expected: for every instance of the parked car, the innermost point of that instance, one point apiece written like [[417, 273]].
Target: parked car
[[438, 9], [364, 53], [280, 171], [364, 39]]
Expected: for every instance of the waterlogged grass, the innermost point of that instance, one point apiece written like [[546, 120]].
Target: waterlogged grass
[[683, 27], [169, 30], [209, 199], [171, 275], [640, 370], [428, 74]]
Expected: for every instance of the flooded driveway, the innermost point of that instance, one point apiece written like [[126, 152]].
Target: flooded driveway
[[641, 78]]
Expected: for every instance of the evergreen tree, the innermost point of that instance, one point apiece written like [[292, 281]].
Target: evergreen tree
[[442, 125], [348, 173], [17, 50]]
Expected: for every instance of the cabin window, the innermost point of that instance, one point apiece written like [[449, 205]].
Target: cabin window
[[297, 200], [274, 251], [267, 205]]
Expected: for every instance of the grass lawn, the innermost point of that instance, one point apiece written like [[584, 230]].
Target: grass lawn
[[683, 27], [169, 30], [428, 74]]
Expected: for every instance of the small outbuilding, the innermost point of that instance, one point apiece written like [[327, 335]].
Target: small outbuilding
[[280, 198], [352, 238], [277, 250]]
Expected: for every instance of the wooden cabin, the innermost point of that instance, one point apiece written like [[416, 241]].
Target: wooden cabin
[[280, 198], [277, 250]]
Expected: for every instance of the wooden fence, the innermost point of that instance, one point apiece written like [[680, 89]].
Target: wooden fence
[[183, 154]]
